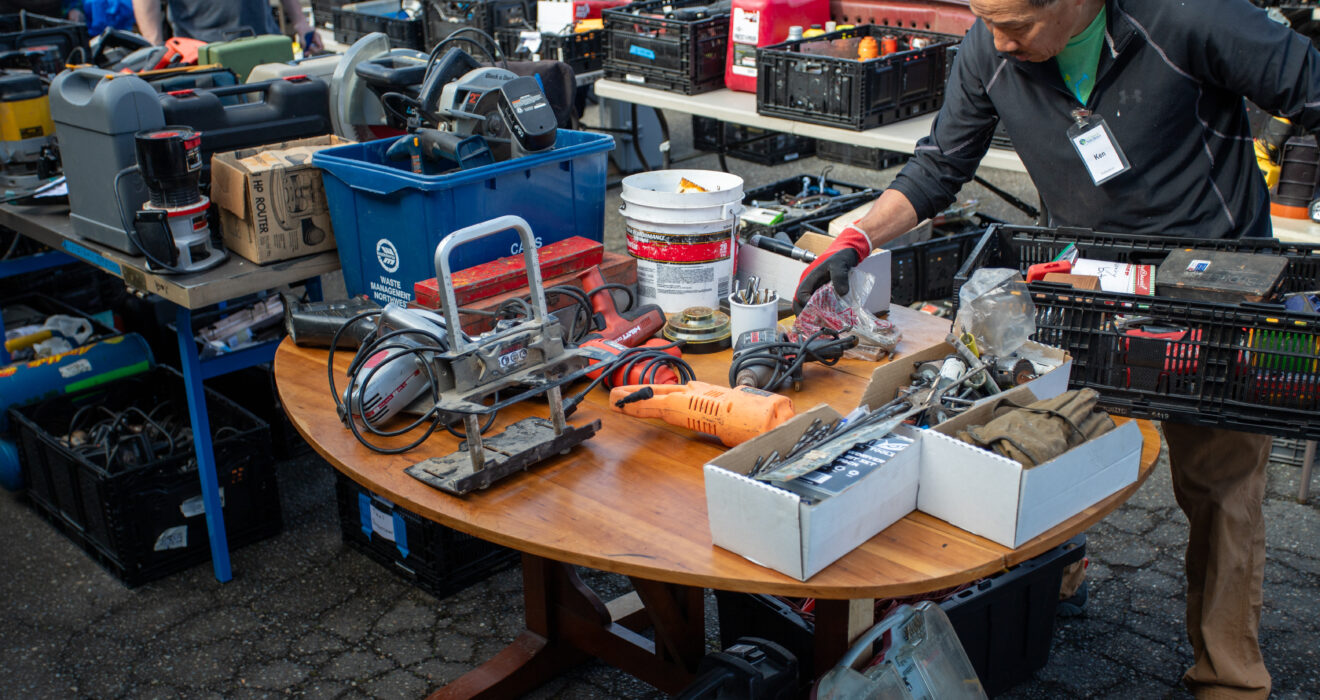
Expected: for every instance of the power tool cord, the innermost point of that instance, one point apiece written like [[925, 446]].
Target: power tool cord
[[777, 356]]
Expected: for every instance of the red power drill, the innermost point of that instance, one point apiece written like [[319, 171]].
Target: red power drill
[[630, 328]]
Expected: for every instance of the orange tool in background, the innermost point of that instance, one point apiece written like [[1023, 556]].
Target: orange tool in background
[[733, 415], [630, 373]]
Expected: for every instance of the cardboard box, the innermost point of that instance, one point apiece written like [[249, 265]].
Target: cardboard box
[[272, 204], [781, 273], [777, 529], [889, 377], [997, 498]]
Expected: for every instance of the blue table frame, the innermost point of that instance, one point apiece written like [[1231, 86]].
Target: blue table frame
[[235, 279]]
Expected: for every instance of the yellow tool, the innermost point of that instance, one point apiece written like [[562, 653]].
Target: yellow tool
[[733, 415]]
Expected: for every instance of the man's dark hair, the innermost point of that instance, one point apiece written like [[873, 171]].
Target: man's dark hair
[[1041, 3]]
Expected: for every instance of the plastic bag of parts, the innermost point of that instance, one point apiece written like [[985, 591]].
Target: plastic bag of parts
[[996, 309], [920, 659], [826, 310]]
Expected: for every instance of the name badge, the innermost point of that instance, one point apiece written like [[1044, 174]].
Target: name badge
[[1096, 146]]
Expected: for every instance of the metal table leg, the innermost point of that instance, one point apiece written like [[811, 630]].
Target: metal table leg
[[201, 427], [1308, 456]]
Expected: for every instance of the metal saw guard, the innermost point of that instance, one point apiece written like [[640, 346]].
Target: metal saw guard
[[532, 439]]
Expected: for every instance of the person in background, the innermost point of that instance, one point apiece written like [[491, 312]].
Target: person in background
[[1129, 117], [218, 20]]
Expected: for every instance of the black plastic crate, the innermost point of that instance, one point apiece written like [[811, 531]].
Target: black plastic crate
[[750, 143], [861, 156], [24, 29], [851, 197], [323, 12], [147, 521], [645, 47], [444, 17], [1251, 367], [1005, 622], [356, 20], [435, 558], [849, 93], [32, 309], [582, 51]]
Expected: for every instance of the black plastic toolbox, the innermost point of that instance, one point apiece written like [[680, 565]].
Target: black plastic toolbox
[[582, 51], [1251, 367], [861, 156], [646, 47], [444, 17], [146, 521], [435, 558], [23, 30], [750, 143], [852, 94], [1005, 622], [356, 20]]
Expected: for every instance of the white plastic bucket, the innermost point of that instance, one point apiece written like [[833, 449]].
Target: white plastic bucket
[[683, 242]]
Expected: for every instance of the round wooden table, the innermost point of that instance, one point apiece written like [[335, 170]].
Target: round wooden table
[[631, 500]]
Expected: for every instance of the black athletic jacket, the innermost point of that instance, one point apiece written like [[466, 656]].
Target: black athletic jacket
[[1170, 84]]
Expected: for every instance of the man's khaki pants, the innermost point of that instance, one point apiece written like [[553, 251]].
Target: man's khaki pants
[[1219, 481]]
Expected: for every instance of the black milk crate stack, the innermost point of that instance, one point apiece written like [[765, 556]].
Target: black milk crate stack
[[750, 143], [323, 12], [436, 559], [1005, 622], [853, 94], [444, 17], [850, 197], [356, 20], [146, 520], [861, 156], [1251, 367], [645, 47], [582, 51]]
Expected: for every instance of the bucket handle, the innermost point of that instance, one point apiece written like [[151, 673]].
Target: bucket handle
[[728, 210]]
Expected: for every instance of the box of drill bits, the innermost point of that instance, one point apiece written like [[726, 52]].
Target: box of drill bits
[[800, 524], [114, 469]]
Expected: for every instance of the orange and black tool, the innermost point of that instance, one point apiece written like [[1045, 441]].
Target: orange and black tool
[[602, 350], [733, 415], [629, 328]]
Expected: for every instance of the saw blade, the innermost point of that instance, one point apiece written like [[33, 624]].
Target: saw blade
[[492, 125]]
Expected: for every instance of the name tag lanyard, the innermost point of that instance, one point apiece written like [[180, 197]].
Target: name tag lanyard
[[1096, 146]]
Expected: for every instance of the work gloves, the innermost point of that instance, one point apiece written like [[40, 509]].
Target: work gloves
[[850, 248]]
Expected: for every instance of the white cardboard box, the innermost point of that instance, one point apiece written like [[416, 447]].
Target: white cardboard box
[[888, 378], [996, 498], [781, 273], [776, 529]]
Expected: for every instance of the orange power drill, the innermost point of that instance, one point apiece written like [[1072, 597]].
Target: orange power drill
[[733, 415]]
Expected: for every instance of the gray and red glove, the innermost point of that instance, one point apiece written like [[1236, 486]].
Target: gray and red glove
[[850, 248]]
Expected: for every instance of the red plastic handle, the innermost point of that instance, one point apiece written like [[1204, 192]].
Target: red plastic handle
[[1037, 272]]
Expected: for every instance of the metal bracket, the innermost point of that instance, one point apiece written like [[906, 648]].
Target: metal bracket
[[521, 445]]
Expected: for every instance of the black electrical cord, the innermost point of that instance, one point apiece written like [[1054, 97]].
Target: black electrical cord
[[388, 98], [622, 287], [131, 232], [786, 358], [651, 360], [360, 375]]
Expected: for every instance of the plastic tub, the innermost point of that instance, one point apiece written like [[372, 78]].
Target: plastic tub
[[389, 220]]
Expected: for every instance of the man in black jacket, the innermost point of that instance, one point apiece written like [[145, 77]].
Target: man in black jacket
[[1129, 116]]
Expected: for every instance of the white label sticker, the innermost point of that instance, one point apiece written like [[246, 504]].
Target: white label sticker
[[173, 538], [1098, 153], [382, 523], [746, 26], [196, 506], [75, 368]]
